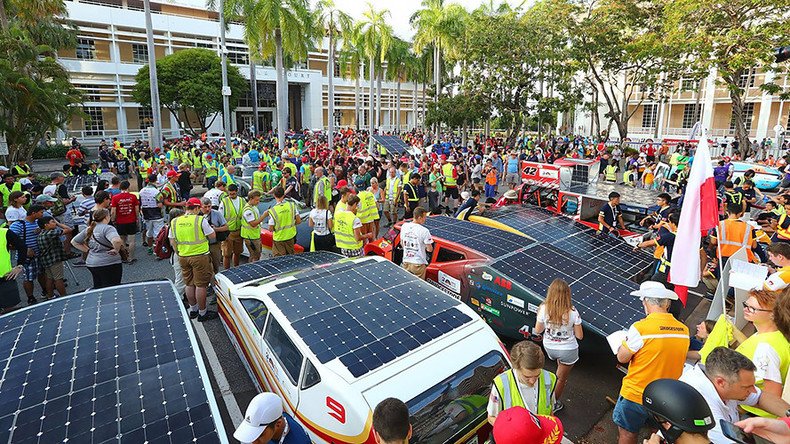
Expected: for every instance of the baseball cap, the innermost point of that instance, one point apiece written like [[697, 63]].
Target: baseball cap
[[193, 202], [653, 289], [518, 425], [262, 165], [4, 168], [341, 183], [172, 173], [264, 409], [45, 198]]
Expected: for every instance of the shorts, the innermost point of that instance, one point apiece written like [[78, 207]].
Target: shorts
[[512, 179], [451, 193], [32, 269], [196, 270], [629, 415], [54, 272], [254, 248], [282, 248], [415, 269], [153, 227], [126, 229], [476, 180], [567, 357], [390, 207], [233, 245]]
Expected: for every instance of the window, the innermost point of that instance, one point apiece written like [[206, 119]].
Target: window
[[690, 115], [748, 113], [257, 312], [145, 115], [86, 49], [90, 93], [446, 255], [286, 352], [238, 55], [688, 84], [747, 80], [337, 70], [650, 115], [94, 122], [139, 53], [203, 45], [311, 376]]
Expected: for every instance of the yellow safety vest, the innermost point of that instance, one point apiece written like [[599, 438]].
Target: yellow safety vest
[[144, 165], [447, 171], [327, 189], [306, 174], [98, 171], [211, 168], [236, 153], [19, 170], [340, 206], [368, 210], [259, 178], [392, 188], [227, 178], [196, 161], [284, 215], [5, 192], [5, 254], [781, 233], [233, 214], [247, 230], [188, 232], [778, 342], [344, 231], [610, 173], [511, 397]]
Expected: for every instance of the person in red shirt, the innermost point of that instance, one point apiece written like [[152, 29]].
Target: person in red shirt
[[124, 209], [73, 155]]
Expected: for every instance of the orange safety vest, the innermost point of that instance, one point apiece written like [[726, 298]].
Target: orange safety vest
[[734, 234]]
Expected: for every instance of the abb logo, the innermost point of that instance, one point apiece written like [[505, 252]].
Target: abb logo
[[504, 283], [337, 410]]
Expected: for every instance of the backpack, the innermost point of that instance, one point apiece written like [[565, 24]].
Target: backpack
[[162, 247]]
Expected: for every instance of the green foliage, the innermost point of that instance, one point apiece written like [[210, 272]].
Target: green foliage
[[56, 151], [456, 111], [190, 80]]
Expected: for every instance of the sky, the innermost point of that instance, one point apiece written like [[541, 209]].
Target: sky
[[400, 10]]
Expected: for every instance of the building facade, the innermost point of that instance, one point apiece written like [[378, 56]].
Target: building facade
[[111, 48]]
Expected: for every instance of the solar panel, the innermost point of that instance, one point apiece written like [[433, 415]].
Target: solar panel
[[490, 241], [114, 365], [604, 301], [366, 315], [394, 144], [635, 197], [75, 183], [278, 265]]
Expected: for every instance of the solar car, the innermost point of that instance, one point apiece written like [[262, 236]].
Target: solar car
[[334, 337], [766, 178], [114, 365], [504, 276]]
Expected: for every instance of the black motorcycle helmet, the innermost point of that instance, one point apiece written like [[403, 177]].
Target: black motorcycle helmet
[[679, 404]]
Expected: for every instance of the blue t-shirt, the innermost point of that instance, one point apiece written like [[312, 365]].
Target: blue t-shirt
[[255, 156], [296, 434]]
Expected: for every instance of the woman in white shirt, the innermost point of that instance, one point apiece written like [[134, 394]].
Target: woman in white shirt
[[15, 210], [320, 220], [560, 324]]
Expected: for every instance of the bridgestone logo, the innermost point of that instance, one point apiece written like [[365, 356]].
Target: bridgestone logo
[[665, 328]]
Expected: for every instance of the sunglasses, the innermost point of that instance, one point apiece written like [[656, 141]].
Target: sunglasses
[[751, 309]]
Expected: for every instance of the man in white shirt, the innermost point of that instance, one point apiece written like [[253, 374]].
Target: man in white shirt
[[215, 194], [416, 242], [727, 381]]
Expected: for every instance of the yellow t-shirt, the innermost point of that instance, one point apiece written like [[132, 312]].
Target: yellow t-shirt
[[659, 343]]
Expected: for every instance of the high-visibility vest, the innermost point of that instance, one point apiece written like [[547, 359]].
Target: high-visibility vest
[[392, 188], [507, 387], [735, 197], [20, 170], [628, 177], [413, 196], [260, 180], [327, 189], [368, 210], [447, 172], [247, 230], [307, 172], [5, 254], [340, 206], [734, 234], [188, 232], [236, 153], [344, 231], [232, 213], [196, 161], [211, 168], [144, 165], [405, 177], [284, 215], [782, 234], [610, 173], [777, 341], [5, 192], [98, 171], [227, 178]]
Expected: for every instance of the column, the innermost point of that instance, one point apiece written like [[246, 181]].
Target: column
[[120, 115], [765, 110], [710, 93]]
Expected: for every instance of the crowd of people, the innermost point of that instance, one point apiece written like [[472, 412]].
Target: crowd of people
[[354, 193]]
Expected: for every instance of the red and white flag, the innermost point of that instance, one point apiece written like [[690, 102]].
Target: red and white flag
[[698, 214]]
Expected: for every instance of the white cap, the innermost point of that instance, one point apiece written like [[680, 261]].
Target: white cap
[[264, 409], [653, 289], [465, 195], [4, 168]]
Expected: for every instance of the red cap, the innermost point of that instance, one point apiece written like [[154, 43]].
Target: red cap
[[193, 202], [172, 173], [340, 184], [262, 165], [518, 425], [209, 156]]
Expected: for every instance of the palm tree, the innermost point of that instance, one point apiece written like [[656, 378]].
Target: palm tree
[[414, 73], [276, 28], [337, 24], [397, 59], [374, 36], [352, 61]]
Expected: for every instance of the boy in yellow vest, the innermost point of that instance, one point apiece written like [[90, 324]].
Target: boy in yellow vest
[[283, 219], [251, 225]]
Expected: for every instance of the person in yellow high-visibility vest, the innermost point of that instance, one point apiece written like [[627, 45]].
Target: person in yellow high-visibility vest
[[9, 291], [231, 207], [526, 385], [393, 191], [283, 219], [323, 186], [610, 172], [189, 236], [228, 175], [368, 212], [260, 178], [251, 220], [349, 237], [212, 171]]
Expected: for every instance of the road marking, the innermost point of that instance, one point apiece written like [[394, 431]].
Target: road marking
[[566, 440], [222, 382]]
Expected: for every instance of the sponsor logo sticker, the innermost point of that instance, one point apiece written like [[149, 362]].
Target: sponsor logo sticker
[[504, 283], [532, 307], [487, 276], [449, 282], [488, 309], [475, 302], [512, 300]]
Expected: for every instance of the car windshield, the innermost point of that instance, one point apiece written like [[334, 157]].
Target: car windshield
[[455, 406]]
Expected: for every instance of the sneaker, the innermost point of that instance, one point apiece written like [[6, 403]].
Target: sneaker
[[558, 406], [208, 316], [150, 251], [32, 300], [193, 314]]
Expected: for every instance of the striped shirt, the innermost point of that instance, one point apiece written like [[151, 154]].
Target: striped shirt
[[28, 232]]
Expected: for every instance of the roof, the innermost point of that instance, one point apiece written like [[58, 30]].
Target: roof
[[490, 241], [257, 271], [365, 313], [119, 364]]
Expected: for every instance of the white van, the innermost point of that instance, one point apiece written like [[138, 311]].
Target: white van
[[334, 337]]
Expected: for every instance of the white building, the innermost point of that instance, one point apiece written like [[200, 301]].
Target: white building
[[111, 48]]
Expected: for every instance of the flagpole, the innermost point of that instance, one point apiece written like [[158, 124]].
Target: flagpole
[[721, 268]]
